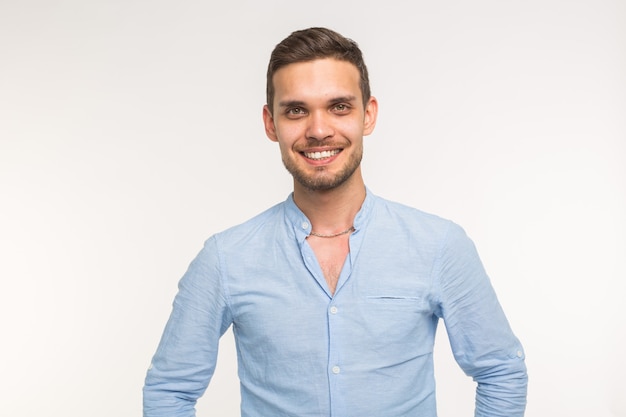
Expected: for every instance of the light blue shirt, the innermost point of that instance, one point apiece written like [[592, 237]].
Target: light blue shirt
[[367, 350]]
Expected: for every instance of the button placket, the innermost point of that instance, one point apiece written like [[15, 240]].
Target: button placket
[[333, 330]]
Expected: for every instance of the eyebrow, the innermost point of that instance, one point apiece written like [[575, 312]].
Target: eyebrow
[[342, 99], [299, 103], [291, 103]]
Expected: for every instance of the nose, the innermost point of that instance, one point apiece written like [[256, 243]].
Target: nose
[[319, 126]]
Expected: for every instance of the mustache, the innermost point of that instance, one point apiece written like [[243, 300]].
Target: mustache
[[313, 143]]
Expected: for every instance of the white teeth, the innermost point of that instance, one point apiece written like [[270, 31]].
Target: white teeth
[[321, 155]]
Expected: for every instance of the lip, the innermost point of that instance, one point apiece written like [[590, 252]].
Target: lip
[[320, 156]]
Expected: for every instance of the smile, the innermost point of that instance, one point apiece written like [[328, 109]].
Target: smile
[[321, 155]]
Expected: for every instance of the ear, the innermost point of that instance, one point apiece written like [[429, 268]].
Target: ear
[[268, 121], [371, 113]]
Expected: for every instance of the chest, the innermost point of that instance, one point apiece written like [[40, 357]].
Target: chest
[[331, 255]]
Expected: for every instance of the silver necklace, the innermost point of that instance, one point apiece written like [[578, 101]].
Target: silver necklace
[[348, 230]]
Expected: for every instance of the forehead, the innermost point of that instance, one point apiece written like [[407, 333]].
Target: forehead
[[319, 78]]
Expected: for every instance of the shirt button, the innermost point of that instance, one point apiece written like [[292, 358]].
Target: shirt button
[[519, 353], [333, 310], [336, 370], [304, 225]]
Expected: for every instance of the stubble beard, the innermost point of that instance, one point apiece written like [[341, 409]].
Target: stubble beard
[[322, 181]]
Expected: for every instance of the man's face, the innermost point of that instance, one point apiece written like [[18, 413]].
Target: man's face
[[319, 121]]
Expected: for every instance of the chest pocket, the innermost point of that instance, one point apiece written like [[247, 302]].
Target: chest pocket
[[414, 303]]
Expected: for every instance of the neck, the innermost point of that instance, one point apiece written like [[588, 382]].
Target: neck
[[331, 211]]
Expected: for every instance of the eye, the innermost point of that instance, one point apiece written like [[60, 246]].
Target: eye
[[341, 108], [295, 111]]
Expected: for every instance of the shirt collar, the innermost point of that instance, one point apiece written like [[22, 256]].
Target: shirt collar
[[302, 226]]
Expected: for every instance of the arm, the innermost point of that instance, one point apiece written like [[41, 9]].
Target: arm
[[481, 338], [186, 356]]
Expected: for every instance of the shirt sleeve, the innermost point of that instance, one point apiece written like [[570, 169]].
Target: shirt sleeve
[[482, 341], [187, 353]]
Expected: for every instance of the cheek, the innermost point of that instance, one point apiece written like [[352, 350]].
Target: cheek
[[285, 149], [351, 129], [288, 135]]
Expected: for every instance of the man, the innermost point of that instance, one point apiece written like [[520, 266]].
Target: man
[[334, 295]]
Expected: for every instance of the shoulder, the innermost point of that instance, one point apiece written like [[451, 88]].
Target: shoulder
[[394, 214], [416, 229], [255, 230]]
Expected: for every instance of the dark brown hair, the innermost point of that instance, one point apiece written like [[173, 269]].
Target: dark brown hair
[[316, 43]]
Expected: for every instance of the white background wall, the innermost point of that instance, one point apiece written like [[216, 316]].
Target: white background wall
[[130, 131]]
